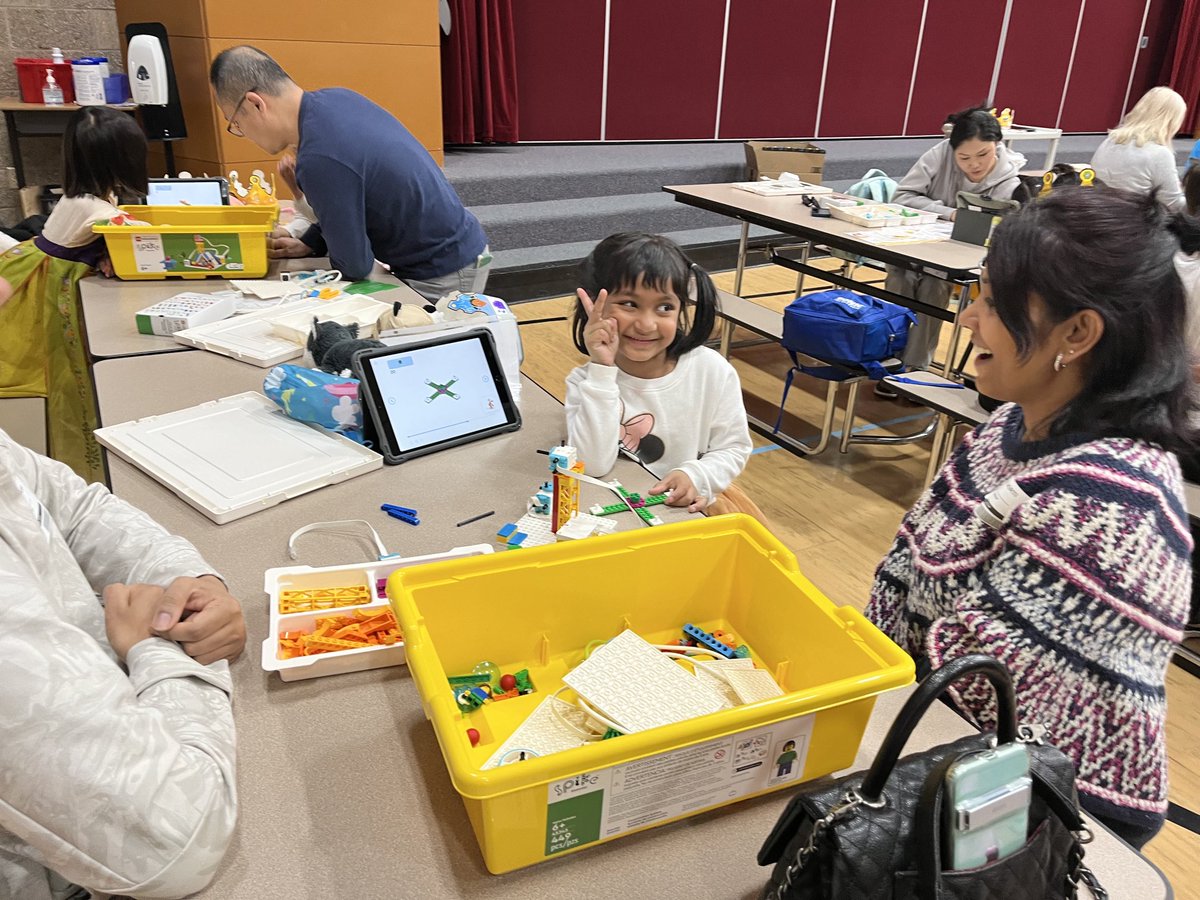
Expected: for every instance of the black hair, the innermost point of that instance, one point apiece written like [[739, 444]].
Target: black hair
[[1109, 251], [975, 122], [617, 263], [244, 68], [1191, 189], [104, 154], [1186, 228]]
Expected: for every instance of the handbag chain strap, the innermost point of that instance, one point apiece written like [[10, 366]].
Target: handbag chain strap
[[1078, 872], [851, 801]]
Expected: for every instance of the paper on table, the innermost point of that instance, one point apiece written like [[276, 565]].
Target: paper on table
[[268, 289], [782, 188], [905, 234]]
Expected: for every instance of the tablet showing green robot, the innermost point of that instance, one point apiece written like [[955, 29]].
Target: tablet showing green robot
[[435, 393]]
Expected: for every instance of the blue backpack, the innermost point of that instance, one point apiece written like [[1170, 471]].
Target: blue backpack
[[846, 329], [848, 332]]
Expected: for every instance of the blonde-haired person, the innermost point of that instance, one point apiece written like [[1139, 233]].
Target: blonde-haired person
[[1138, 156]]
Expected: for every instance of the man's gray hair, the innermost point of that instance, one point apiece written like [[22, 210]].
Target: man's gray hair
[[240, 69]]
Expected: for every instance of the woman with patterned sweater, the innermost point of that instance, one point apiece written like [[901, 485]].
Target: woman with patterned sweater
[[1056, 537]]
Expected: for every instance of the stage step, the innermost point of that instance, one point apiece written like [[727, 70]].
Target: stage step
[[544, 207]]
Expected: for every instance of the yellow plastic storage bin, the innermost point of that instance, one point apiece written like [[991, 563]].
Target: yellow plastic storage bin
[[191, 242], [539, 608]]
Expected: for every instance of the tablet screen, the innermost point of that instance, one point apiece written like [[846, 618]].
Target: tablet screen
[[186, 192], [437, 392]]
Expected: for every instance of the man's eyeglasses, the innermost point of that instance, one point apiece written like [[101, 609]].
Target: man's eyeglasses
[[233, 127]]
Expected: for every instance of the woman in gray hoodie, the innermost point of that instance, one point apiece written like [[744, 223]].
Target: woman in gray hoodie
[[972, 159]]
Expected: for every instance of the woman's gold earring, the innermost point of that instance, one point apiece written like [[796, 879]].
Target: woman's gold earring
[[1058, 363]]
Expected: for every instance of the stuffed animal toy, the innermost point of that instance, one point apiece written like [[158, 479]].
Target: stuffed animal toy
[[332, 346], [406, 315]]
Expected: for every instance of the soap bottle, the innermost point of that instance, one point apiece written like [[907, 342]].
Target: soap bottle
[[52, 94], [56, 55]]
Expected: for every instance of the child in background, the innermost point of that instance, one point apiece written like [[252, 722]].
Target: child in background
[[42, 351], [652, 389], [972, 159]]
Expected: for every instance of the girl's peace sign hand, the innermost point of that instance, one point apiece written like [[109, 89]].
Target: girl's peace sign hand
[[600, 335]]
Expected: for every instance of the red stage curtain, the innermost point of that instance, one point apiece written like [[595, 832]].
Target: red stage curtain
[[479, 74], [1185, 64]]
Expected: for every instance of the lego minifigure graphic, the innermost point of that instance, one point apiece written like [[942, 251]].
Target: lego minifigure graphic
[[786, 759]]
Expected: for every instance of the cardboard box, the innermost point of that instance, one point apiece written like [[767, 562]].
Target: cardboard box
[[770, 158]]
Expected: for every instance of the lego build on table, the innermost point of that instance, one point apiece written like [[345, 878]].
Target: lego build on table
[[553, 509]]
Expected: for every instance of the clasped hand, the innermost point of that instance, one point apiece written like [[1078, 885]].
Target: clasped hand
[[197, 613]]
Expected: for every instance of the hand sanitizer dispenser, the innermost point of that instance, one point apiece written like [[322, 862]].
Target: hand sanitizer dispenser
[[147, 71]]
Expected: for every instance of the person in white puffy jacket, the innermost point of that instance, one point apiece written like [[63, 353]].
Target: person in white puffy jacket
[[116, 736]]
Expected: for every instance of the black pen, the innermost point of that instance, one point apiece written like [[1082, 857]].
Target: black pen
[[490, 512]]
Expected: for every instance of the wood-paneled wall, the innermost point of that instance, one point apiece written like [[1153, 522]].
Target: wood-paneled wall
[[387, 52]]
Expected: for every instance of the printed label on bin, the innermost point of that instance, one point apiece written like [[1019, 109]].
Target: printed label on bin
[[148, 252], [179, 253], [592, 806]]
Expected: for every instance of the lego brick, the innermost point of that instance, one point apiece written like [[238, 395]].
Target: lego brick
[[585, 526], [752, 685], [536, 531], [721, 687], [704, 639]]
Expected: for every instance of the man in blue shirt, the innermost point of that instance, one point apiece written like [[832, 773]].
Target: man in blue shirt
[[376, 192]]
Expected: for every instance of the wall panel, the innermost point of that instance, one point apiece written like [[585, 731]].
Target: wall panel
[[318, 65], [954, 73], [560, 69], [772, 82], [179, 17], [1105, 54], [664, 67], [870, 67], [345, 22], [1036, 55]]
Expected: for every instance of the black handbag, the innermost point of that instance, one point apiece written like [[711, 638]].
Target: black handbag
[[876, 835]]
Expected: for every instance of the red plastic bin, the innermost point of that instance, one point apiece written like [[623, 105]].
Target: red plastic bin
[[31, 73]]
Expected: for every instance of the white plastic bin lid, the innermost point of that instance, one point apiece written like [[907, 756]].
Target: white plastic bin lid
[[271, 336], [235, 456]]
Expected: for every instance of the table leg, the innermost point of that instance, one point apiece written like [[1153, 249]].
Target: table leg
[[1052, 152], [741, 261], [936, 452], [14, 146], [726, 337], [964, 297], [806, 248]]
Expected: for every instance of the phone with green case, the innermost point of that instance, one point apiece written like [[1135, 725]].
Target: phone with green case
[[986, 806]]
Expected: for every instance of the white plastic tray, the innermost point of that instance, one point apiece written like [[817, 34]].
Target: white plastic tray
[[235, 456], [250, 337], [271, 336], [881, 215], [359, 575], [351, 309]]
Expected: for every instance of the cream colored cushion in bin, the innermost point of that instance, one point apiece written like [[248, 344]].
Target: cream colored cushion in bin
[[352, 310]]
